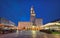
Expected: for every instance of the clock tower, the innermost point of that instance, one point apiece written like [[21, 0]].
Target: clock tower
[[32, 16]]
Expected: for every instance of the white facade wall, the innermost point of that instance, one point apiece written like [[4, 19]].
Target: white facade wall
[[38, 22]]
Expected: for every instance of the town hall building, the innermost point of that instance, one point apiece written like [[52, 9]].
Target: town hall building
[[33, 20]]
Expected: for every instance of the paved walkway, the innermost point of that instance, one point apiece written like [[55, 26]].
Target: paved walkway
[[29, 34]]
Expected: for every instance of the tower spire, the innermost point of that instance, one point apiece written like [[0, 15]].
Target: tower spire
[[32, 11]]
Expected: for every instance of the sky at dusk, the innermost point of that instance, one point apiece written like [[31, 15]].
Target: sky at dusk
[[19, 10]]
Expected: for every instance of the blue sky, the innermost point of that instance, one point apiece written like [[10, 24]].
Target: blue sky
[[19, 10]]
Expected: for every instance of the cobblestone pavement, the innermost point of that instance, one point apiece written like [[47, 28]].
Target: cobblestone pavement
[[29, 34]]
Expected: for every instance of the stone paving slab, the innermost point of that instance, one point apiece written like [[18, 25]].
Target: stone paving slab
[[28, 34]]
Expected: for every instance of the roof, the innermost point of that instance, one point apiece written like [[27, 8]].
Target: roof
[[56, 20]]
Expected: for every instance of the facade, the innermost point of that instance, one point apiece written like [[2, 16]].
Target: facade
[[38, 22], [22, 25], [33, 20], [53, 25], [6, 24], [3, 21]]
